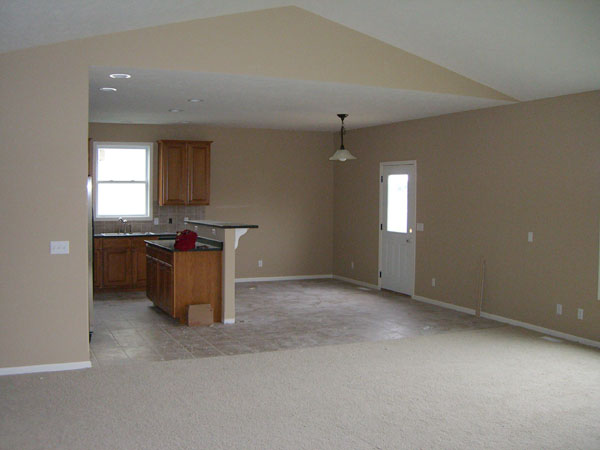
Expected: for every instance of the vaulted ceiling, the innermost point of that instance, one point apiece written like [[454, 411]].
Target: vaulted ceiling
[[427, 57]]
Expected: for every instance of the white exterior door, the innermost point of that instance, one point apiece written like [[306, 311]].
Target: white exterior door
[[397, 226]]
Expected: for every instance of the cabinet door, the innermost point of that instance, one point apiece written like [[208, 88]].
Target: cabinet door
[[151, 278], [165, 286], [139, 267], [172, 176], [97, 263], [138, 260], [97, 268], [116, 264], [198, 173]]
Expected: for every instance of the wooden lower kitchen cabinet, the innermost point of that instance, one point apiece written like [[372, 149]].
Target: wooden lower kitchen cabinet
[[97, 263], [116, 263], [177, 279], [138, 262], [120, 263]]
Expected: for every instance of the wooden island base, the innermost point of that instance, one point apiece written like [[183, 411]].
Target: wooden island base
[[178, 279]]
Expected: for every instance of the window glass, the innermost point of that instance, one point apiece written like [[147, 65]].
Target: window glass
[[397, 207], [122, 199], [121, 164], [123, 187]]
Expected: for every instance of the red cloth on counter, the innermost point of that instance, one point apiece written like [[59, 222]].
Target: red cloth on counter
[[185, 240]]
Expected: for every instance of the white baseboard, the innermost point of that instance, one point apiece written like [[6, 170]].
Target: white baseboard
[[287, 278], [45, 368], [529, 326], [360, 283], [444, 304], [516, 323]]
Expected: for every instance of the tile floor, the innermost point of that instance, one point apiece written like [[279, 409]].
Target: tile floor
[[270, 316]]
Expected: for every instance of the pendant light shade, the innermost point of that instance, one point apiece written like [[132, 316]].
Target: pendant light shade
[[342, 154]]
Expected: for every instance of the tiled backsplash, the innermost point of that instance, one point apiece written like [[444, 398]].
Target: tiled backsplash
[[164, 213]]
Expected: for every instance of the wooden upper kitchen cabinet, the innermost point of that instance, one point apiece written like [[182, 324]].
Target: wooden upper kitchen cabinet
[[90, 157], [183, 172]]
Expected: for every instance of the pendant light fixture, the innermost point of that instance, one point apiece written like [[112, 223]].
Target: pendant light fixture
[[342, 154]]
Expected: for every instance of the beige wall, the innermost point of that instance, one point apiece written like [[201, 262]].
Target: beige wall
[[486, 178], [279, 180]]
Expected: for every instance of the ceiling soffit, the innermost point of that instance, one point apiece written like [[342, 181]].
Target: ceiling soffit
[[288, 43]]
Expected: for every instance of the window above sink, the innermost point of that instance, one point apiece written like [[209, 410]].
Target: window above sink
[[122, 180]]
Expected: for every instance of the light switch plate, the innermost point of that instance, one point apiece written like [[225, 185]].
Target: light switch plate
[[530, 236], [156, 221], [580, 313], [420, 227], [59, 247]]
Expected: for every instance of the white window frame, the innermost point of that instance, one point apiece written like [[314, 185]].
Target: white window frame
[[149, 158]]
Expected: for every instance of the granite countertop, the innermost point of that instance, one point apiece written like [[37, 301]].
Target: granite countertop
[[165, 235], [215, 224], [202, 245]]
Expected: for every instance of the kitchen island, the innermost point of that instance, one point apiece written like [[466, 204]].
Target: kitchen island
[[177, 279], [228, 233]]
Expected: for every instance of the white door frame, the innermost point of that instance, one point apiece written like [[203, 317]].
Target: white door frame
[[380, 224]]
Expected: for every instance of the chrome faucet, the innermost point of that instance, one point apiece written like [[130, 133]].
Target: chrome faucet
[[124, 226]]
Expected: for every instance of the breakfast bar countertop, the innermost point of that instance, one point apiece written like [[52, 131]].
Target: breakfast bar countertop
[[202, 245], [216, 224]]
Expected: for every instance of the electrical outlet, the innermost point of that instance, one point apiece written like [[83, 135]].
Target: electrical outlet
[[580, 313], [530, 236], [59, 247], [558, 309], [214, 232], [433, 282], [260, 263], [352, 265], [156, 221]]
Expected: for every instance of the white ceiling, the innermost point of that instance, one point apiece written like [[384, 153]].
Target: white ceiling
[[259, 102], [527, 49]]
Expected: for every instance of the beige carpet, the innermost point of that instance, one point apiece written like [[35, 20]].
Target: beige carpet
[[496, 388]]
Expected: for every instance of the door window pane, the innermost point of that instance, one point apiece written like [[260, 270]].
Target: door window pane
[[397, 203], [122, 199]]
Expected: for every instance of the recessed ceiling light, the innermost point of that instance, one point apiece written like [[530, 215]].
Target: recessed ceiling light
[[175, 110], [108, 89], [120, 75], [195, 100]]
